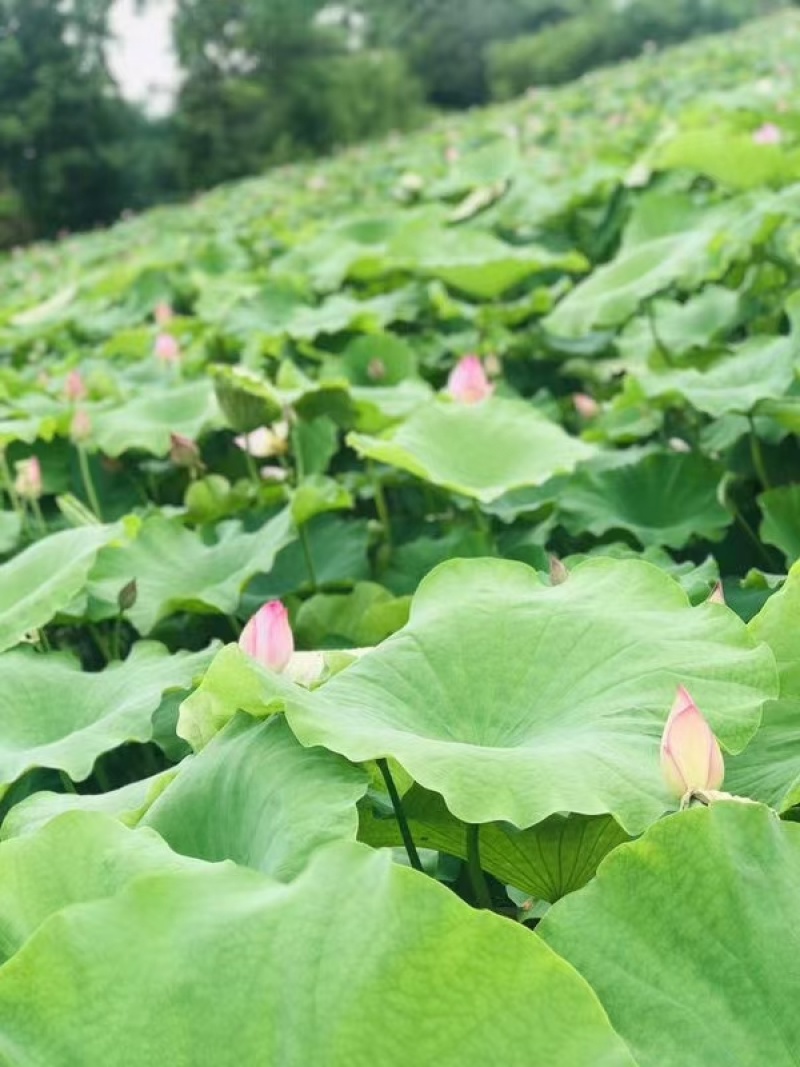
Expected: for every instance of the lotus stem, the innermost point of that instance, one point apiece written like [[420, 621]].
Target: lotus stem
[[88, 483], [306, 546], [757, 455], [400, 815], [477, 878]]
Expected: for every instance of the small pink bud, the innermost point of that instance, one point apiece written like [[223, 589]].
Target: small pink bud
[[184, 452], [163, 314], [468, 383], [717, 595], [558, 572], [28, 482], [81, 426], [586, 406], [690, 755], [167, 350], [769, 133], [74, 387], [267, 637]]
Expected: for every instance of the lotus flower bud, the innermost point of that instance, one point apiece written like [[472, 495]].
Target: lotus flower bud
[[558, 572], [468, 383], [28, 482], [717, 595], [74, 387], [80, 428], [265, 441], [376, 370], [184, 452], [167, 350], [769, 133], [586, 406], [267, 637], [677, 444], [163, 314], [691, 759]]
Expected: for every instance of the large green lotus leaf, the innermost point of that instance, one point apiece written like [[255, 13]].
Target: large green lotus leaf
[[769, 768], [516, 700], [548, 861], [127, 804], [680, 327], [664, 498], [77, 857], [730, 158], [472, 261], [668, 242], [762, 368], [176, 570], [256, 796], [146, 422], [53, 714], [248, 971], [357, 619], [480, 450], [10, 530], [781, 523], [42, 580], [689, 939]]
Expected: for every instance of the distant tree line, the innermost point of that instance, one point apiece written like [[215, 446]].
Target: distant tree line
[[266, 81]]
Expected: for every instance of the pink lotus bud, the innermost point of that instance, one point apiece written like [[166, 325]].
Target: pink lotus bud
[[74, 387], [468, 383], [184, 452], [267, 637], [28, 482], [717, 595], [265, 441], [81, 426], [163, 314], [586, 406], [167, 350], [558, 572], [769, 133], [690, 755]]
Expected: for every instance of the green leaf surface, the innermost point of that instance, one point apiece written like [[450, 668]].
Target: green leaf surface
[[490, 991], [53, 714], [547, 861], [663, 498], [781, 523], [688, 937], [482, 450], [176, 570], [256, 796], [146, 422], [43, 579]]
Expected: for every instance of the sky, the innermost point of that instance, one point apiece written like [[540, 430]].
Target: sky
[[141, 58]]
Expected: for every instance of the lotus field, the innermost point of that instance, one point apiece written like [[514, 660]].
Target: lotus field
[[400, 645]]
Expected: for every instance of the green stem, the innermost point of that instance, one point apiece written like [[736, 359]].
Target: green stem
[[88, 483], [100, 642], [748, 529], [102, 778], [236, 626], [252, 470], [476, 876], [115, 646], [482, 524], [37, 511], [380, 505], [8, 485], [757, 455], [303, 532], [44, 643], [400, 815]]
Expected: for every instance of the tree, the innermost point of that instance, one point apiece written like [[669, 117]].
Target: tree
[[63, 123]]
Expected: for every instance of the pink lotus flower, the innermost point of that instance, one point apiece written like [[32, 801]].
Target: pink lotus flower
[[81, 426], [691, 759], [769, 133], [163, 314], [183, 452], [167, 350], [586, 406], [268, 638], [74, 387], [468, 383], [28, 482]]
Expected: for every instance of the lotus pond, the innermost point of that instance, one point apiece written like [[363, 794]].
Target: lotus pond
[[399, 637]]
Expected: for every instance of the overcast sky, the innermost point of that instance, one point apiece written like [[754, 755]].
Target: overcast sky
[[142, 58]]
